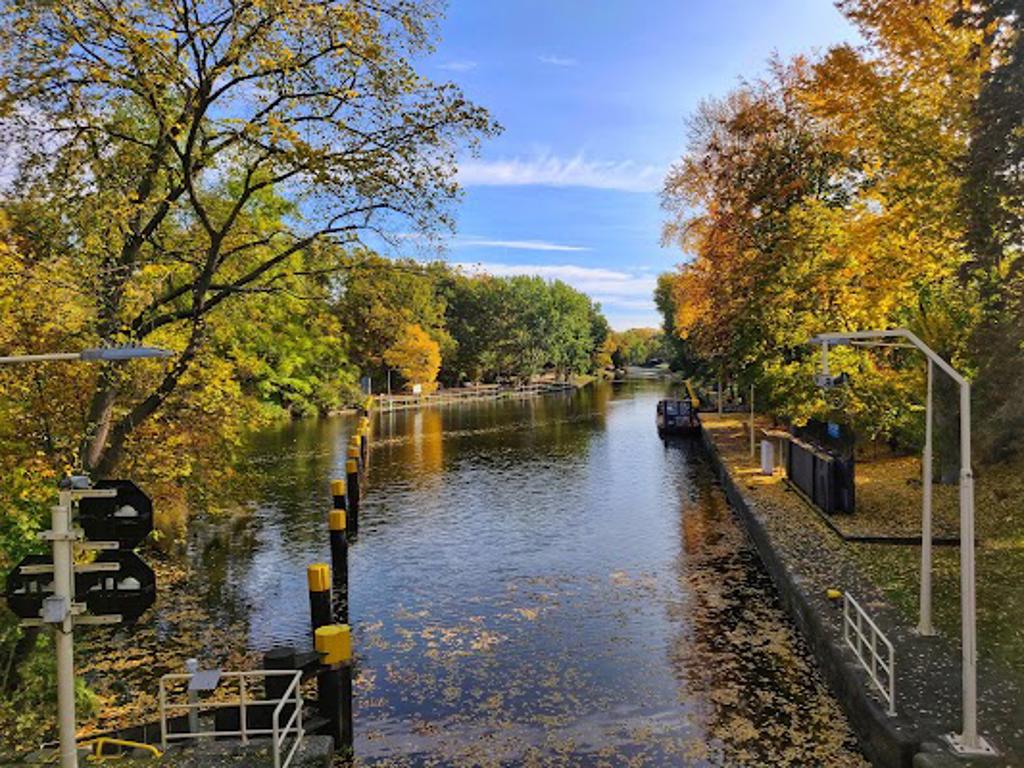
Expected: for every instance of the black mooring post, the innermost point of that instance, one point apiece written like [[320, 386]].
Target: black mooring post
[[339, 564], [338, 493], [334, 683], [355, 453], [282, 657], [352, 496], [319, 578]]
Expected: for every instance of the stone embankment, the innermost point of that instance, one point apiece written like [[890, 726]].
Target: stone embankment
[[806, 559]]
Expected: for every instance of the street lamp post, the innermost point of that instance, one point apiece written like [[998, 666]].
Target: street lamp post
[[968, 741], [61, 612]]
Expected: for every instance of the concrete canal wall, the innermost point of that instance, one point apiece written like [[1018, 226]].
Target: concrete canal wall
[[805, 560]]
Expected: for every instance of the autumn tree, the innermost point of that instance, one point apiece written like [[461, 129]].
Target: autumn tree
[[377, 298], [993, 197], [828, 197], [416, 356], [148, 136]]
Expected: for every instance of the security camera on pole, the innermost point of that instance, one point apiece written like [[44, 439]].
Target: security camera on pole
[[52, 590]]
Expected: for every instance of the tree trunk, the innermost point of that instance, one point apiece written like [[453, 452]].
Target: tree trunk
[[100, 418]]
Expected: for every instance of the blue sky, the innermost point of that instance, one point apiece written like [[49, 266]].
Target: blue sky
[[593, 97]]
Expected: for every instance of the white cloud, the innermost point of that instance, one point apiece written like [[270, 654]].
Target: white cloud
[[557, 61], [609, 286], [459, 65], [553, 171], [516, 245]]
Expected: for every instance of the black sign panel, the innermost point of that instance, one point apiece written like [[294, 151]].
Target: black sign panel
[[130, 591], [126, 518], [25, 593]]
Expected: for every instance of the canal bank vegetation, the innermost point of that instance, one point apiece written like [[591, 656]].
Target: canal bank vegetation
[[487, 329], [871, 186], [874, 186], [638, 346], [204, 182]]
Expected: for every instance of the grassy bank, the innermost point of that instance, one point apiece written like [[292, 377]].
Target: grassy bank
[[888, 490]]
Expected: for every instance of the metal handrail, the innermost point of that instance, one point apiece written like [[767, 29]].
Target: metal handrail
[[868, 641], [292, 695], [296, 713]]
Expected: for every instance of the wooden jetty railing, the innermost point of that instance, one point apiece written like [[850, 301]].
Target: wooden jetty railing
[[465, 394]]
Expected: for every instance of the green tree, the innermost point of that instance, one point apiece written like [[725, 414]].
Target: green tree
[[379, 297], [149, 135]]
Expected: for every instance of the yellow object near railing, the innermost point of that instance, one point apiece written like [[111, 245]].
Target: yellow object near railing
[[693, 395], [99, 744]]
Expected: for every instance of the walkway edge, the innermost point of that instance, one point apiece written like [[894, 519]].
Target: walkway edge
[[879, 735]]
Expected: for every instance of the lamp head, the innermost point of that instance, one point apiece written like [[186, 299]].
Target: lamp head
[[124, 353]]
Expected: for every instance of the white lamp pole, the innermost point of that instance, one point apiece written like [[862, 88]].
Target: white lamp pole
[[968, 741], [924, 625], [63, 539]]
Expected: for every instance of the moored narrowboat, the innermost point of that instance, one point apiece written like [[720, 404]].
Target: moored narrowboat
[[678, 417]]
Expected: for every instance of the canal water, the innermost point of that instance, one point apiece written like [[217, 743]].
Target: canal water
[[542, 582]]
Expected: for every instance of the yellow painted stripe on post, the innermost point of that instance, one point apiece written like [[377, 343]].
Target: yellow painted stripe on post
[[337, 487], [319, 577], [335, 641], [351, 466], [336, 520], [353, 452]]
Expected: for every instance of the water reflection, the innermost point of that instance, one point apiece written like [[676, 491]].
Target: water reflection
[[541, 582]]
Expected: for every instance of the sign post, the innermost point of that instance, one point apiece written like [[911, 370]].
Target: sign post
[[59, 608], [117, 586], [63, 592]]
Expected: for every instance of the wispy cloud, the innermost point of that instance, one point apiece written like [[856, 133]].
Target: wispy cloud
[[553, 171], [516, 245], [459, 65], [610, 286], [557, 61]]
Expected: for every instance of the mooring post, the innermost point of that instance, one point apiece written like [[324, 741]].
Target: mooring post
[[352, 484], [339, 563], [354, 453], [334, 682], [282, 657], [319, 577], [364, 440], [338, 493]]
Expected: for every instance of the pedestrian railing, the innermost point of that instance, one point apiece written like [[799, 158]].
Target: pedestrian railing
[[289, 706], [872, 649], [459, 394]]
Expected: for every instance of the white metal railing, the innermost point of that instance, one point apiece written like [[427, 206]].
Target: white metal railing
[[278, 733], [863, 637]]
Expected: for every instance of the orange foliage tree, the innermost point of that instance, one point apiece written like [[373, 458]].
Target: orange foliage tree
[[416, 356]]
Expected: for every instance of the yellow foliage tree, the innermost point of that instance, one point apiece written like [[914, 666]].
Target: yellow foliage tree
[[416, 356]]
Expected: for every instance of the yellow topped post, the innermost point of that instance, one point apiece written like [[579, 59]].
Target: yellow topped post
[[319, 577], [352, 476], [335, 642], [336, 520], [334, 682]]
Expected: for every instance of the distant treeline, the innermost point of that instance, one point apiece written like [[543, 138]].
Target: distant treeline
[[485, 328], [638, 346]]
